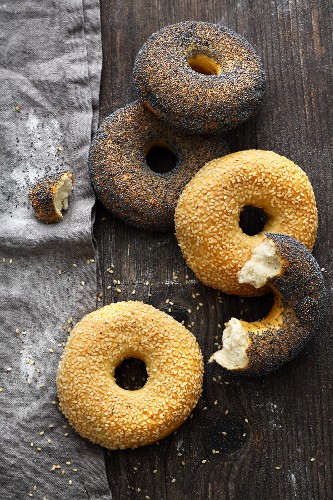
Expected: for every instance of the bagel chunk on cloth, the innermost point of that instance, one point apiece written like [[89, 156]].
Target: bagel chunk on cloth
[[49, 196], [114, 417], [300, 301]]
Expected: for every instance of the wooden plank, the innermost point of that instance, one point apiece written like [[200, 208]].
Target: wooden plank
[[272, 436]]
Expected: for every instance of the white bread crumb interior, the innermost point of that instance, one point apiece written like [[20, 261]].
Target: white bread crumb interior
[[235, 341], [62, 193], [264, 264]]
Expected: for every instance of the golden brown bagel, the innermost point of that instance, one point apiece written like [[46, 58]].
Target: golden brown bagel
[[105, 413], [300, 300], [208, 211]]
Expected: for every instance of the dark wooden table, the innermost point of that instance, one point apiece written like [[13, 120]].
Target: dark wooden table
[[272, 437]]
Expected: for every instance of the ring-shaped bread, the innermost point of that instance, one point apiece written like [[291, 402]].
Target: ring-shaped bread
[[121, 177], [200, 77], [208, 212], [105, 413], [300, 300]]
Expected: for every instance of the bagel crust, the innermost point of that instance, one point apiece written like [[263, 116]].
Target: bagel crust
[[49, 196], [121, 177], [113, 417], [208, 211], [300, 301], [199, 77]]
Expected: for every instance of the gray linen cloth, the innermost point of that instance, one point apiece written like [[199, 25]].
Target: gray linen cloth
[[50, 64]]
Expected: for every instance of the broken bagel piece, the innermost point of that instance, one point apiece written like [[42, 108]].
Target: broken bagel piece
[[300, 300], [49, 196]]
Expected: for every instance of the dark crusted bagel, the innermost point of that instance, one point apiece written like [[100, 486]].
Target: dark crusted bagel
[[49, 196], [120, 174], [300, 300], [200, 77]]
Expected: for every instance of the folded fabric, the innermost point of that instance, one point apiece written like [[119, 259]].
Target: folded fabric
[[50, 74]]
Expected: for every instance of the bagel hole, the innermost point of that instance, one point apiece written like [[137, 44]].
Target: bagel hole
[[201, 63], [252, 220], [256, 308], [161, 159], [131, 374]]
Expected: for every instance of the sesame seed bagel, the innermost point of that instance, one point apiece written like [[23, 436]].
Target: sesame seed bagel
[[121, 177], [105, 413], [300, 300], [208, 211], [200, 77], [49, 196]]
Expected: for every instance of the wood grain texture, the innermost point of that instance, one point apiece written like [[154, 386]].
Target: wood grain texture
[[272, 437]]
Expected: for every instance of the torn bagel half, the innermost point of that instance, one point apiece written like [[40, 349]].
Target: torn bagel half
[[300, 300], [49, 196]]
